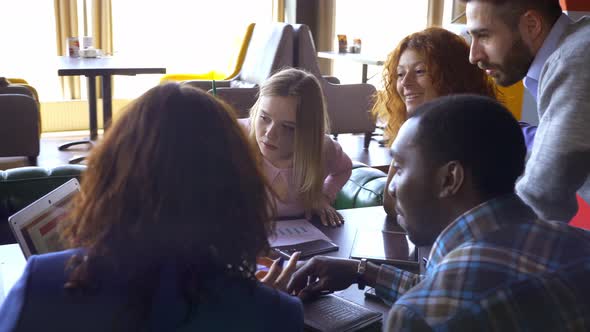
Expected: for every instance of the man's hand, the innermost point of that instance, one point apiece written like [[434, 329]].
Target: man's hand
[[323, 273]]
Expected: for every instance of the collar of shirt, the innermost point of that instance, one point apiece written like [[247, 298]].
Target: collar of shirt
[[531, 81], [477, 222]]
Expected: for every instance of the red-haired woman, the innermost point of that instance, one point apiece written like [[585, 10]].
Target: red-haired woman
[[425, 65]]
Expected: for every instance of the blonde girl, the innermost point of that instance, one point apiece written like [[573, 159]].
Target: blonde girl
[[303, 165]]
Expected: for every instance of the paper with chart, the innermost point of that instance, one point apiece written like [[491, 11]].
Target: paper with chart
[[289, 232]]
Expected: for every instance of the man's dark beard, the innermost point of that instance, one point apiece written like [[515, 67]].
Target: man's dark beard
[[515, 66]]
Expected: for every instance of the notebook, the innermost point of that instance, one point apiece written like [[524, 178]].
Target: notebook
[[307, 249], [333, 313], [384, 247], [35, 226], [299, 235]]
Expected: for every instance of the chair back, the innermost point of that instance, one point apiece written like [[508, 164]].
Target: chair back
[[21, 86], [19, 125], [305, 51], [242, 52], [241, 99], [348, 105], [214, 74], [16, 89], [270, 49]]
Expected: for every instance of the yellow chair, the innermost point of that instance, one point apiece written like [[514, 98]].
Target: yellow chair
[[215, 74], [511, 97]]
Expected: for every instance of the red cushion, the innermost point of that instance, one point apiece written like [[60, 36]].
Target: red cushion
[[582, 219]]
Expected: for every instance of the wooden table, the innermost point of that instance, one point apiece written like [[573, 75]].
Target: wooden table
[[364, 59], [12, 265], [104, 67], [12, 261], [370, 218]]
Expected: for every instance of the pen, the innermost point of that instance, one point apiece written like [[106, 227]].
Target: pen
[[392, 232], [214, 88]]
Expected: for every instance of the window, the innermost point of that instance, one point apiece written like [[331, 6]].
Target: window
[[28, 44], [380, 24], [184, 36]]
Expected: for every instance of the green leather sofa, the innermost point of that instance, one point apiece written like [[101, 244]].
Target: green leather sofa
[[364, 188], [22, 186]]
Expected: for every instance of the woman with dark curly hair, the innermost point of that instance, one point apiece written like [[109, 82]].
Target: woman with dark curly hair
[[173, 212], [425, 65]]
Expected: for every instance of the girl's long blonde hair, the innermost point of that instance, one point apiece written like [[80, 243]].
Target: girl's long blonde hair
[[312, 124]]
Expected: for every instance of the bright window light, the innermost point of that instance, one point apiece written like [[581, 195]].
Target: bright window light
[[29, 47], [380, 24], [184, 36]]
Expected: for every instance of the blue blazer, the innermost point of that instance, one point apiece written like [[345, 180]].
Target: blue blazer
[[38, 302]]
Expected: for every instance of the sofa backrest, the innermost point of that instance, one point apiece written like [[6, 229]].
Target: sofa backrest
[[22, 186], [364, 188]]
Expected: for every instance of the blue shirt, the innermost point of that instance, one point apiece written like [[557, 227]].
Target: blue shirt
[[531, 80]]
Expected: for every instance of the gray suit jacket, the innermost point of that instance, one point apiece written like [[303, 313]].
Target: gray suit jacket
[[559, 165]]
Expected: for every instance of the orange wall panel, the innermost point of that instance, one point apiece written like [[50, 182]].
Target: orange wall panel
[[575, 5]]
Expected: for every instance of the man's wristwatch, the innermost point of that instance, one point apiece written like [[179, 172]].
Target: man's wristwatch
[[360, 273]]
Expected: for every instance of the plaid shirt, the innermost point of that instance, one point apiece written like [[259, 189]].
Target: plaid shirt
[[495, 268]]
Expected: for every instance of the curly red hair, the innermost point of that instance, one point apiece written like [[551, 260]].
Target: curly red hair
[[447, 59]]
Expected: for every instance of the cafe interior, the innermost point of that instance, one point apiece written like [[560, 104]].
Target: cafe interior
[[57, 100]]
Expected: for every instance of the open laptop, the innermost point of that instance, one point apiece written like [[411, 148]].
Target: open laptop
[[384, 247], [35, 226]]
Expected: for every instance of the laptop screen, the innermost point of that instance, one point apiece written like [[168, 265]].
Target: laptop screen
[[383, 247], [35, 226], [41, 232]]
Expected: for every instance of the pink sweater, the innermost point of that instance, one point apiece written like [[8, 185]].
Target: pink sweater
[[338, 168]]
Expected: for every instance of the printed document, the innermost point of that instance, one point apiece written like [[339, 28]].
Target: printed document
[[289, 232]]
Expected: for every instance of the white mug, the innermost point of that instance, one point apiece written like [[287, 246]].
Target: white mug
[[90, 52], [86, 42]]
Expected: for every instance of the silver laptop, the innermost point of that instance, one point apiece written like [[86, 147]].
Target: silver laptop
[[35, 226]]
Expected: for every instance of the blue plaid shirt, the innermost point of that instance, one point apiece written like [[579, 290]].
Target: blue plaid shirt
[[495, 268]]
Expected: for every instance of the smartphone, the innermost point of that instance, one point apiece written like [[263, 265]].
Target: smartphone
[[307, 249], [372, 295]]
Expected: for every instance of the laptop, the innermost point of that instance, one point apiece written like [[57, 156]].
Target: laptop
[[334, 313], [384, 247], [35, 226]]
